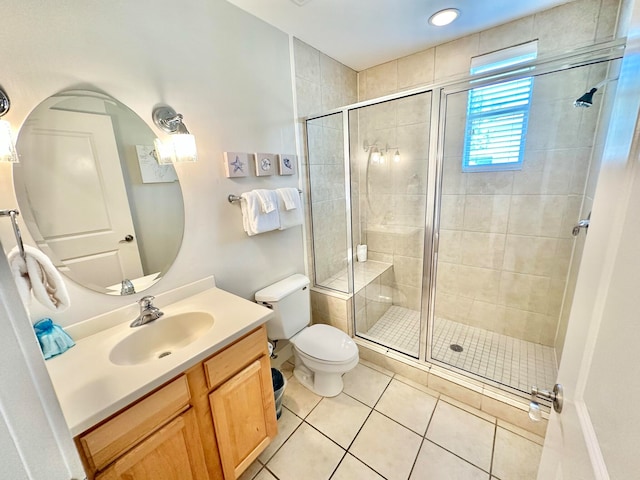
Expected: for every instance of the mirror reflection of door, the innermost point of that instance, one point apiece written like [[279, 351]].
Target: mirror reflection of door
[[78, 196]]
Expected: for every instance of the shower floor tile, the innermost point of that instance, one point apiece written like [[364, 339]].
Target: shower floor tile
[[398, 328], [516, 363], [512, 362]]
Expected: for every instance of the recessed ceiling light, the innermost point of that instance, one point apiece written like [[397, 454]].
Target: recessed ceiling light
[[444, 17]]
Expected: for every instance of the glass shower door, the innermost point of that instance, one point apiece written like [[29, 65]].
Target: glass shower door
[[325, 145], [389, 146], [507, 261]]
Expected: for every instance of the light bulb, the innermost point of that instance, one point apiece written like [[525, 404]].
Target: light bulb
[[164, 152], [396, 157], [7, 148], [382, 158], [444, 17], [179, 147], [375, 156], [185, 147]]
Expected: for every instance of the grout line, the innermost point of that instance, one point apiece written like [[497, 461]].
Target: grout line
[[446, 449], [456, 455], [338, 465], [493, 448]]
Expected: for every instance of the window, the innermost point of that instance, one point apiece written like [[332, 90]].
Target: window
[[498, 114]]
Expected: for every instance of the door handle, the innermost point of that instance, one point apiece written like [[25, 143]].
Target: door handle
[[584, 223], [555, 396], [127, 239]]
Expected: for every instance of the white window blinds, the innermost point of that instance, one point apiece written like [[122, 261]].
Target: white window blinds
[[497, 116]]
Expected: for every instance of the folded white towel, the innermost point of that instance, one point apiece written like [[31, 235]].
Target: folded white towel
[[289, 217], [35, 273], [290, 197], [254, 220], [267, 200]]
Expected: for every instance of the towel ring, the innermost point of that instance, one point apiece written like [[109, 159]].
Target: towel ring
[[16, 230]]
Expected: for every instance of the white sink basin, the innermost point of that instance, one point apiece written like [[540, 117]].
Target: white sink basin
[[160, 338]]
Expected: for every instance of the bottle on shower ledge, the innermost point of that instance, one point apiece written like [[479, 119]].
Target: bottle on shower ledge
[[361, 253]]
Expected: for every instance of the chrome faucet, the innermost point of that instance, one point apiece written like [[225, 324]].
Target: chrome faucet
[[127, 287], [148, 313]]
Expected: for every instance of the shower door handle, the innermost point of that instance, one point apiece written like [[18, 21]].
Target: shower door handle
[[584, 223]]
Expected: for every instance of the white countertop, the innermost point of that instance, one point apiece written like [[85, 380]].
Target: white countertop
[[90, 387]]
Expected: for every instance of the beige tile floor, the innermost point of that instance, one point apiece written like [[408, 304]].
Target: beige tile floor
[[383, 426]]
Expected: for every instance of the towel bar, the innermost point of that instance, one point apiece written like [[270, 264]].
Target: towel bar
[[236, 198], [16, 230]]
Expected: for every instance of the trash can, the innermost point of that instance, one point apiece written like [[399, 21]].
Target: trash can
[[279, 384]]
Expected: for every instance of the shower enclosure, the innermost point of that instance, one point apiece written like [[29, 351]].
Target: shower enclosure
[[467, 218]]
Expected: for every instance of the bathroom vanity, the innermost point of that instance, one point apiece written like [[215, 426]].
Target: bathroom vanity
[[203, 411]]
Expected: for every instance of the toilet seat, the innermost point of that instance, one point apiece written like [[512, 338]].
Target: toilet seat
[[325, 344]]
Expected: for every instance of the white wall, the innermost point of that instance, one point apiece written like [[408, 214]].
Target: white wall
[[226, 71]]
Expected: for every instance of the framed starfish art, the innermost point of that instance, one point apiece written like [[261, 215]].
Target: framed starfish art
[[236, 164]]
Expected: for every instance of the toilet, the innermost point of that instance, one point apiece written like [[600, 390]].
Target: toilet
[[322, 353]]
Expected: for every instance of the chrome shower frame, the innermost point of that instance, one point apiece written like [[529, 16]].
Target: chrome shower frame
[[544, 64]]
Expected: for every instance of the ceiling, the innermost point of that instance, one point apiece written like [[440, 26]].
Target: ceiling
[[364, 33]]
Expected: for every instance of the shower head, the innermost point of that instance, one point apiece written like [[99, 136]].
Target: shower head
[[585, 100]]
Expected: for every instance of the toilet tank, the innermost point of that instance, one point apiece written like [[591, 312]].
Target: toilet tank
[[291, 304]]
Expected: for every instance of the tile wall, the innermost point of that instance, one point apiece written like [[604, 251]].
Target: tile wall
[[322, 83], [505, 237], [510, 275], [393, 199]]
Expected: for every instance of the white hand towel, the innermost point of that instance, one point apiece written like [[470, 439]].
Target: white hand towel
[[36, 273], [254, 220], [267, 200], [290, 217], [290, 197]]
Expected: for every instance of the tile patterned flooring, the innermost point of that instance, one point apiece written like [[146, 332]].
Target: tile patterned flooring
[[516, 363], [383, 426]]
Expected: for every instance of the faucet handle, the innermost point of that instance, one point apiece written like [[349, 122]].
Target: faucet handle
[[145, 302]]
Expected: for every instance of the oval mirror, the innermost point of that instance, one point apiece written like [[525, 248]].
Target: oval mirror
[[93, 196]]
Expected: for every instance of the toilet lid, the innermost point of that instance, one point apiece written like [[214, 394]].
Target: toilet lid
[[327, 343]]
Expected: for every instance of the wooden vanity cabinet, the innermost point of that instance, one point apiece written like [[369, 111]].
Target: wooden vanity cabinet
[[209, 423], [172, 453], [242, 402]]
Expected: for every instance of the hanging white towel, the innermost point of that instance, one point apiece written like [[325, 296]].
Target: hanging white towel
[[290, 206], [254, 220], [267, 200], [290, 197], [35, 273]]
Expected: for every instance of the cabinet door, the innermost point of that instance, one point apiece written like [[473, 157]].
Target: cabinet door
[[172, 453], [243, 410]]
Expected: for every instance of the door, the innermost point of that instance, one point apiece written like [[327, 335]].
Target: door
[[244, 416], [35, 442], [77, 193], [596, 435], [389, 154], [172, 453]]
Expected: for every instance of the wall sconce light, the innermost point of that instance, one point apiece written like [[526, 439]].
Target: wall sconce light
[[375, 155], [7, 147], [181, 145], [379, 157]]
